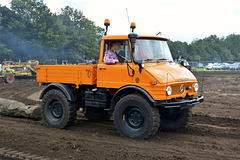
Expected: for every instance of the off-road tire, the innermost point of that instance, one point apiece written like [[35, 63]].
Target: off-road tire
[[175, 121], [96, 114], [9, 78], [135, 117], [56, 110]]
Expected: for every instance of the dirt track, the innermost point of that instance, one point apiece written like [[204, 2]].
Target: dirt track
[[213, 132]]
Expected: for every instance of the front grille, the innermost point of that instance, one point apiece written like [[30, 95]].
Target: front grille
[[177, 89]]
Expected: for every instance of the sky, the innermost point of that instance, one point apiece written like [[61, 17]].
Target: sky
[[177, 20]]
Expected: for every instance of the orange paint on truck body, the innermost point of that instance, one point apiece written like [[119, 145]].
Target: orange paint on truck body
[[154, 77], [67, 74]]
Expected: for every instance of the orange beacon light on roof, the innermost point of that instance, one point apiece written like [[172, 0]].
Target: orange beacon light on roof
[[133, 26], [106, 23]]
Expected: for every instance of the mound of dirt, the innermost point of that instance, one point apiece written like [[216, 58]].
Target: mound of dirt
[[20, 91]]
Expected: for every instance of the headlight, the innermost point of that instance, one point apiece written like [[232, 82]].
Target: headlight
[[169, 90], [195, 87]]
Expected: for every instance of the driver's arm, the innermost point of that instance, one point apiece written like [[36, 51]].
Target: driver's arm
[[109, 58]]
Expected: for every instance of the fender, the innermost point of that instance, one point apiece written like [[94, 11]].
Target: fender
[[69, 93], [131, 87]]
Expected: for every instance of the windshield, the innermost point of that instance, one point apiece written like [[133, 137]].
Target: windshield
[[151, 50]]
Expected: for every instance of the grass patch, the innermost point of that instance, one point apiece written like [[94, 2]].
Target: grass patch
[[203, 69]]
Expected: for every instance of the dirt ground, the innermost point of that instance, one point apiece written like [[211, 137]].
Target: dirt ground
[[213, 132]]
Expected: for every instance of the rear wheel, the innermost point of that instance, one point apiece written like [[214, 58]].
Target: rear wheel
[[134, 117], [9, 78], [174, 121], [56, 110]]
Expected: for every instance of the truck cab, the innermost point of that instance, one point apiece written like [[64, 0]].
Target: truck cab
[[144, 91]]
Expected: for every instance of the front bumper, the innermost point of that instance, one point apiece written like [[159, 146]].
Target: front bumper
[[182, 104]]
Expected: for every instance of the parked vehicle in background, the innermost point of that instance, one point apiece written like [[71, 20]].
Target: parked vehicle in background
[[9, 70], [199, 65], [209, 66], [233, 67], [212, 66], [223, 66], [237, 65]]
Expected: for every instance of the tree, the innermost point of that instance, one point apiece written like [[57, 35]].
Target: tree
[[42, 33], [232, 43], [178, 49], [82, 36], [30, 31]]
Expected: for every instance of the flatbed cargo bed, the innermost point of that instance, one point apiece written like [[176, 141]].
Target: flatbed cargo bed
[[68, 74]]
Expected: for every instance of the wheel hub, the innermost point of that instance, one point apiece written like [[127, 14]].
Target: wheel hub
[[56, 109], [135, 118], [10, 78]]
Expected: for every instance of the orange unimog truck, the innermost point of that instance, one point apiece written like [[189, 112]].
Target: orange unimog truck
[[145, 91]]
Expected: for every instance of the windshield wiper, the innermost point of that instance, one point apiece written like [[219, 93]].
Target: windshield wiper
[[148, 59], [161, 59], [158, 60]]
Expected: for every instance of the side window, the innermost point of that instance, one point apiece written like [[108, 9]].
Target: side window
[[106, 47], [124, 46]]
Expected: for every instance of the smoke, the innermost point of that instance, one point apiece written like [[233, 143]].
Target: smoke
[[24, 49]]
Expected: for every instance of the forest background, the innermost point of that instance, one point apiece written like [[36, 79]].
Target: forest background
[[30, 31]]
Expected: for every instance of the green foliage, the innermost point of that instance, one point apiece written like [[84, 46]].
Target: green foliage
[[210, 48], [82, 36], [29, 30]]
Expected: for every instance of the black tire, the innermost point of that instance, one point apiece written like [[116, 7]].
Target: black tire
[[134, 117], [56, 110], [175, 121], [9, 78], [96, 114]]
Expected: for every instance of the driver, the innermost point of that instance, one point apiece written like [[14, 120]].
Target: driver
[[110, 56]]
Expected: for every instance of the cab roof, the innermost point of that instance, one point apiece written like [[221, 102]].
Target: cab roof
[[114, 37]]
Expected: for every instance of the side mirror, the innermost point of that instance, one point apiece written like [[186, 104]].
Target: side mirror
[[182, 63], [133, 37], [121, 56]]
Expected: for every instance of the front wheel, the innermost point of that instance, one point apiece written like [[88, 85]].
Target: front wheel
[[134, 117], [56, 110]]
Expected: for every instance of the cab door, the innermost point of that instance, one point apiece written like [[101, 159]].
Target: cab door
[[114, 75]]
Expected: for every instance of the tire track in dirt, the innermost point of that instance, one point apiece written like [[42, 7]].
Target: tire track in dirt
[[86, 136], [19, 155], [219, 121], [199, 125]]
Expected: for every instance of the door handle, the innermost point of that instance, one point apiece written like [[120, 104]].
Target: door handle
[[102, 68]]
